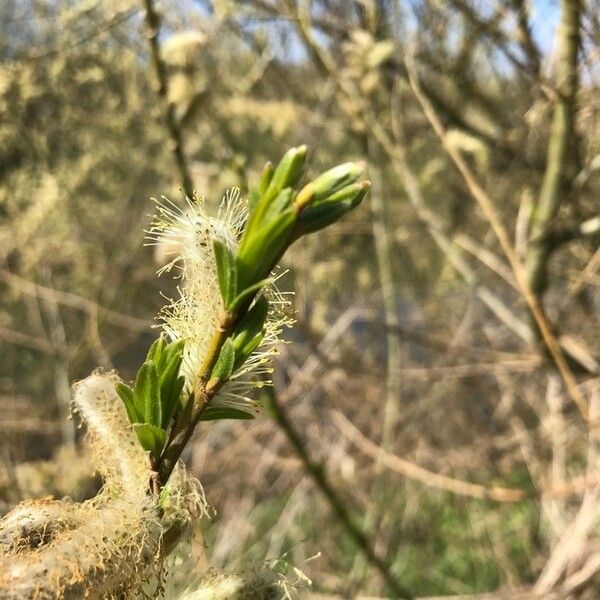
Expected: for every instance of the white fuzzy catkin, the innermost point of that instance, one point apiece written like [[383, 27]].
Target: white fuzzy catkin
[[114, 550], [36, 522], [194, 316], [259, 583], [117, 453], [106, 547]]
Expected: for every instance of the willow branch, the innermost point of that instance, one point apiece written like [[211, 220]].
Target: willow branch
[[562, 149], [153, 24]]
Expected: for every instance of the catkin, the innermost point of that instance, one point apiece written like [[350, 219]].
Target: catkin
[[107, 547], [259, 583]]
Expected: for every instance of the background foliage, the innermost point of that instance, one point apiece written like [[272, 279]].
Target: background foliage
[[416, 366]]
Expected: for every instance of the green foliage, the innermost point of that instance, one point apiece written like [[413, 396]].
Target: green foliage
[[226, 272], [224, 366], [249, 332], [280, 214], [154, 398], [327, 211], [214, 413]]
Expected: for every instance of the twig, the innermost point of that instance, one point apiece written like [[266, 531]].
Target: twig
[[451, 484], [74, 301], [105, 27], [432, 221], [153, 24], [561, 149]]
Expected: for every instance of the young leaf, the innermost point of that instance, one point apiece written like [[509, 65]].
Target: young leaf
[[151, 438], [281, 203], [334, 179], [224, 366], [126, 394], [321, 214], [286, 175], [170, 400], [265, 179], [147, 392], [249, 332], [213, 413], [256, 259], [352, 194], [226, 271], [289, 170], [247, 349], [253, 289], [173, 349], [156, 351]]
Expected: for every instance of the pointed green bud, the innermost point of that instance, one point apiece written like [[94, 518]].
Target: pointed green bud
[[257, 257], [263, 184], [352, 194], [326, 212], [288, 171], [265, 177], [271, 203], [328, 183]]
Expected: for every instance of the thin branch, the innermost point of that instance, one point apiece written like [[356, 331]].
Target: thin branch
[[105, 27], [27, 341], [460, 487], [74, 301], [562, 149], [153, 24]]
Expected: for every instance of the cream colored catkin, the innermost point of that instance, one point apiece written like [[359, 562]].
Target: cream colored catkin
[[107, 547], [256, 583]]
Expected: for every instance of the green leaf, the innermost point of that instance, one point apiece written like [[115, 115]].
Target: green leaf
[[253, 289], [326, 212], [247, 349], [156, 351], [263, 249], [213, 413], [173, 349], [151, 438], [263, 184], [169, 385], [170, 400], [224, 366], [289, 170], [353, 193], [126, 394], [334, 179], [286, 175], [281, 203], [249, 332], [147, 393], [226, 271]]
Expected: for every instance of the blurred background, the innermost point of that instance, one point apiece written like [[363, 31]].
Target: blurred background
[[420, 402]]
